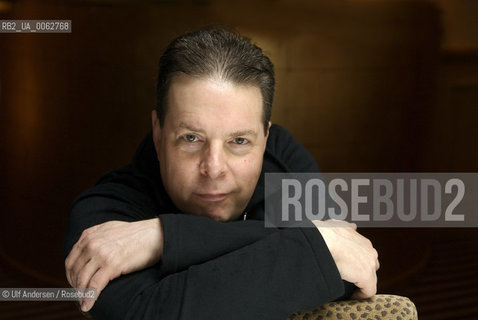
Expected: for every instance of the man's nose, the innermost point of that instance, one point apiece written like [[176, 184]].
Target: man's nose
[[213, 162]]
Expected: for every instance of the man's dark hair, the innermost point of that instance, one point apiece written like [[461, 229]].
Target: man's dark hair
[[216, 53]]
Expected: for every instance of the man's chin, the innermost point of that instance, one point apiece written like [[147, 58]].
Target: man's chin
[[220, 215]]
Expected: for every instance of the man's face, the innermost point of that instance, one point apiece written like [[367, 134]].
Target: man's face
[[211, 146]]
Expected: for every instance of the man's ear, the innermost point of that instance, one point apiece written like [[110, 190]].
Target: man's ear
[[268, 128], [156, 130], [267, 134]]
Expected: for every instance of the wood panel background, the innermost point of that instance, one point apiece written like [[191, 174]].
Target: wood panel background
[[366, 86]]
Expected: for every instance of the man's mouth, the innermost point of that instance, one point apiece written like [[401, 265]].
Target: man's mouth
[[212, 197]]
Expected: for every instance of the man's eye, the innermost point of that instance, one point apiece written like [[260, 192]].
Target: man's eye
[[190, 138], [240, 140]]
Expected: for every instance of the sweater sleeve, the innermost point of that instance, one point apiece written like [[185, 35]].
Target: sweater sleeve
[[284, 272], [220, 270]]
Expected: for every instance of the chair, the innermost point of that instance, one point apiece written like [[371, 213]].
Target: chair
[[379, 307]]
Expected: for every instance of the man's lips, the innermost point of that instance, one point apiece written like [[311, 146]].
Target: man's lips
[[212, 197]]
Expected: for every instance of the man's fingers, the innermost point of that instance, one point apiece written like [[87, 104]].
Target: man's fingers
[[70, 263], [79, 275], [108, 250], [73, 272], [85, 274], [99, 281], [367, 288], [73, 263], [354, 255]]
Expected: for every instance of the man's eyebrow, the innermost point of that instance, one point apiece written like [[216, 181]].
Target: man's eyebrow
[[247, 132], [243, 133], [189, 127]]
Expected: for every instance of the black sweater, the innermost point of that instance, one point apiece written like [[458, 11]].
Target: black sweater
[[210, 269]]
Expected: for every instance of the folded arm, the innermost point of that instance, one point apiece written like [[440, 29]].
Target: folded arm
[[209, 267]]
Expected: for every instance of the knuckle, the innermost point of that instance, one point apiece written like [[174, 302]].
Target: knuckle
[[68, 278], [74, 276], [67, 264], [369, 243], [95, 282], [106, 256], [372, 253], [92, 245], [101, 279], [85, 233], [81, 281], [369, 272]]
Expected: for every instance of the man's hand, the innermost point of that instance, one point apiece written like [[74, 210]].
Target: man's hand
[[106, 251], [353, 254]]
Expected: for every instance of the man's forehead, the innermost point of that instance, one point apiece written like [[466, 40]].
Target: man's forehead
[[195, 101], [185, 82], [215, 79]]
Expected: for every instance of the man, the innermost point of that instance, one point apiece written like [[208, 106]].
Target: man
[[178, 233]]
